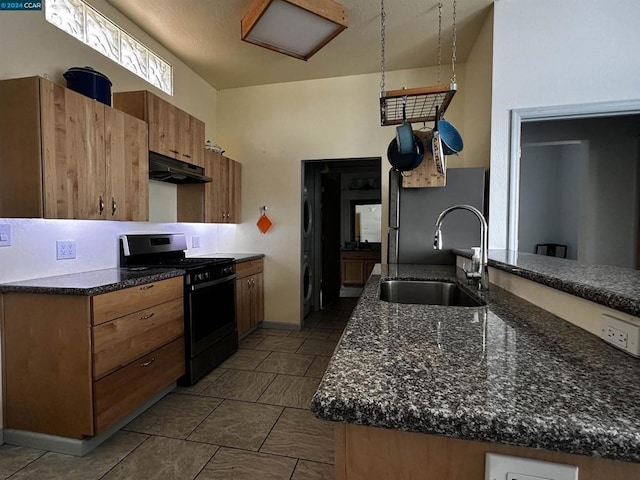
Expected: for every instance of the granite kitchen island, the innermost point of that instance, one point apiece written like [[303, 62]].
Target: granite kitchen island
[[421, 391]]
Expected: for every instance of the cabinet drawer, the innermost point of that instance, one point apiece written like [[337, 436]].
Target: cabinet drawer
[[244, 269], [121, 341], [109, 306], [118, 394]]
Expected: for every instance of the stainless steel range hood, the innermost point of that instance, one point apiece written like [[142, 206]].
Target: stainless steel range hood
[[166, 169]]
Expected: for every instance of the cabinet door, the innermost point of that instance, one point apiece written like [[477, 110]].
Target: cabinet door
[[257, 299], [243, 304], [192, 139], [352, 272], [216, 191], [73, 158], [127, 167], [234, 192], [163, 125], [21, 177]]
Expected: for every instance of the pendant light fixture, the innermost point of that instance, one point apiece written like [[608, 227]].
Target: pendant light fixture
[[298, 28]]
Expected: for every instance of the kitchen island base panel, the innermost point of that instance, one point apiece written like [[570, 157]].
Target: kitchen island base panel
[[72, 446], [371, 453]]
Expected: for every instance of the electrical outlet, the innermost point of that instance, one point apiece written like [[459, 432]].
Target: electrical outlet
[[5, 235], [504, 467], [195, 241], [620, 333], [65, 249]]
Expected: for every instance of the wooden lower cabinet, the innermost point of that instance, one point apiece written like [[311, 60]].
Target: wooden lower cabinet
[[371, 453], [249, 295], [72, 370], [356, 265]]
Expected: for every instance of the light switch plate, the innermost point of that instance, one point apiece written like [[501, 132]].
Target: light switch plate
[[504, 467], [195, 241], [5, 235]]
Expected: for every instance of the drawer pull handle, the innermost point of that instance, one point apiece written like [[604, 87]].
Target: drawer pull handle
[[146, 287], [174, 151], [186, 155], [145, 317], [146, 364]]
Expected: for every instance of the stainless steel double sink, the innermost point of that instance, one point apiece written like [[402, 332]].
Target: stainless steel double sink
[[427, 292]]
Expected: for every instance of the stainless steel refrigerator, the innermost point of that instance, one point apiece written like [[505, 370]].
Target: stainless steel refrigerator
[[413, 213]]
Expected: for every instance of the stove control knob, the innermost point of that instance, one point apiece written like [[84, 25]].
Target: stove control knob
[[207, 275]]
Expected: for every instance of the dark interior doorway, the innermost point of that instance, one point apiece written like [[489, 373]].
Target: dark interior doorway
[[329, 190]]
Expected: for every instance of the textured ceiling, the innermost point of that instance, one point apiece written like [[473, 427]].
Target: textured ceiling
[[205, 34]]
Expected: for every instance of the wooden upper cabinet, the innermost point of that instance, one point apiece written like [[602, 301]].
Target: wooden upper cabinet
[[59, 147], [172, 131], [222, 195], [73, 153], [127, 167]]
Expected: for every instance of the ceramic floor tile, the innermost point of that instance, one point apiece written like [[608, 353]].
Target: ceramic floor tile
[[251, 341], [238, 424], [174, 416], [94, 465], [306, 470], [280, 344], [199, 387], [162, 458], [290, 391], [14, 458], [312, 346], [288, 363], [299, 434], [240, 385], [229, 464], [245, 359], [311, 333], [318, 366], [274, 332]]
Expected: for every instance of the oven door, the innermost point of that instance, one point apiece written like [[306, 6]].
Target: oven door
[[210, 313]]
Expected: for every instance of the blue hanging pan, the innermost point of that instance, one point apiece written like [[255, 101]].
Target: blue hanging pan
[[451, 139]]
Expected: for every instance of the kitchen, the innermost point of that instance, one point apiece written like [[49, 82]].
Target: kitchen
[[520, 48]]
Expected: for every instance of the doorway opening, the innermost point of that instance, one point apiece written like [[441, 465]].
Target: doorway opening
[[340, 217], [576, 187]]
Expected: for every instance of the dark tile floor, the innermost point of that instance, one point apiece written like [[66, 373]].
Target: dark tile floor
[[248, 419]]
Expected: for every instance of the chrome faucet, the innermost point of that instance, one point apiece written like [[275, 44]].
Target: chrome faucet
[[481, 273]]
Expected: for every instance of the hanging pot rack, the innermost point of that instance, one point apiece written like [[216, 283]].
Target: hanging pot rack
[[422, 104]]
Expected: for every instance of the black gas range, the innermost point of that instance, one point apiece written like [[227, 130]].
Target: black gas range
[[211, 333]]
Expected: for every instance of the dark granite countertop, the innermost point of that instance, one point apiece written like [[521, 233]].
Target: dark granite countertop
[[509, 372], [614, 287], [90, 283]]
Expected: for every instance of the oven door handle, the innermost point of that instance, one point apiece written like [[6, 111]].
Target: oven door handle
[[200, 286]]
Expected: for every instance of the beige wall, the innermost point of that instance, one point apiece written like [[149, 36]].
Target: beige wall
[[477, 106], [271, 129]]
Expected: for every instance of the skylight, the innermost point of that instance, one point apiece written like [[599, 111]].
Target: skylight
[[85, 23]]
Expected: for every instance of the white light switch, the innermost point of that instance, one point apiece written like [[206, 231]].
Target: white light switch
[[5, 235], [504, 467]]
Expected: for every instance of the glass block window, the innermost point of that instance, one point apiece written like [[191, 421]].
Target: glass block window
[[94, 29]]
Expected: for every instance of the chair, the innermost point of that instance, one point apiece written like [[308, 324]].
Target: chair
[[551, 250]]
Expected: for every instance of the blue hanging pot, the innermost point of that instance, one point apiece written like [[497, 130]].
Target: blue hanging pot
[[451, 139]]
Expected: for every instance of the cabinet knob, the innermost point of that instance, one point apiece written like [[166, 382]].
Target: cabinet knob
[[114, 206], [249, 283], [147, 363], [146, 317], [101, 205], [146, 287]]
